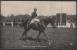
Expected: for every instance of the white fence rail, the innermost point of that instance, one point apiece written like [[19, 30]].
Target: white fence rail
[[68, 25], [11, 23]]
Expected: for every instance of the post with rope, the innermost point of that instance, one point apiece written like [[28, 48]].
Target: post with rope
[[71, 24], [3, 23], [12, 24]]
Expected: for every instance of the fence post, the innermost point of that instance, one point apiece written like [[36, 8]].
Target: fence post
[[71, 25], [3, 23], [12, 24]]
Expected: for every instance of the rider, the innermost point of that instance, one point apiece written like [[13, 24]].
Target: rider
[[34, 14]]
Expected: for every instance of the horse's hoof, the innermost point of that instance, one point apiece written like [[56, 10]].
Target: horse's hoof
[[20, 38], [49, 43], [38, 40], [27, 41]]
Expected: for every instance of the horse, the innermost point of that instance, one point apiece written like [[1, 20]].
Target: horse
[[39, 23]]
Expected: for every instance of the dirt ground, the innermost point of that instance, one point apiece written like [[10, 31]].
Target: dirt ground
[[59, 38]]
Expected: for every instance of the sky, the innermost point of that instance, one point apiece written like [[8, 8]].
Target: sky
[[45, 8]]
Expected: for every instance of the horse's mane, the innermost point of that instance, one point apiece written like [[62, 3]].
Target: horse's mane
[[42, 17]]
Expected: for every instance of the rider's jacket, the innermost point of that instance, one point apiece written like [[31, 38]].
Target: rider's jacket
[[34, 14]]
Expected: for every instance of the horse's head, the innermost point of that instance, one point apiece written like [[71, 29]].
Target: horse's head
[[52, 22]]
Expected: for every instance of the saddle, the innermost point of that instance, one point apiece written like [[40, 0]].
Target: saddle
[[34, 20]]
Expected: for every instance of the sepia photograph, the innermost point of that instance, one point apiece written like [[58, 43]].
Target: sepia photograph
[[38, 24]]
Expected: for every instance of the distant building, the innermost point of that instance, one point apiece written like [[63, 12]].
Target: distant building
[[58, 19], [61, 18], [64, 17], [64, 20]]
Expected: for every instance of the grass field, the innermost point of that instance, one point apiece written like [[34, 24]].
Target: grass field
[[60, 37]]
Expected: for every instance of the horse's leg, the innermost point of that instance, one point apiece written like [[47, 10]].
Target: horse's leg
[[39, 35], [37, 39], [47, 38], [24, 35], [45, 35]]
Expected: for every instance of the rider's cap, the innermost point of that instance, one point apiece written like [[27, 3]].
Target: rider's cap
[[35, 9]]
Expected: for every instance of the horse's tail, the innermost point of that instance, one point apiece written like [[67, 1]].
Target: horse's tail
[[23, 24]]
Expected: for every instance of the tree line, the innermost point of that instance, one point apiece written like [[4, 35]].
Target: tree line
[[19, 18]]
